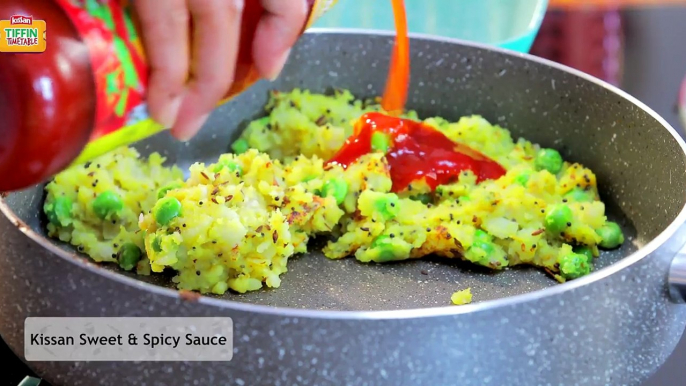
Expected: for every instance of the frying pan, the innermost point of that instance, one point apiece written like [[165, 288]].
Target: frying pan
[[343, 322]]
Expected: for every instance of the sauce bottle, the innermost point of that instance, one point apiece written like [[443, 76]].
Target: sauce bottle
[[73, 80]]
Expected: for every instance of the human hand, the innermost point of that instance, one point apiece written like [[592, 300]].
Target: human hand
[[188, 78]]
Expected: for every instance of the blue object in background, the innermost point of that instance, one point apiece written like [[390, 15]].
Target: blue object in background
[[510, 24]]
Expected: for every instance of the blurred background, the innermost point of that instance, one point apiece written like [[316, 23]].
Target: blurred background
[[637, 45], [634, 44]]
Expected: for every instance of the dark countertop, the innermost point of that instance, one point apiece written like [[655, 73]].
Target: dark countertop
[[654, 64]]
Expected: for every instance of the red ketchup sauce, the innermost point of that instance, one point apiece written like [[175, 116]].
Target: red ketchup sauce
[[417, 151]]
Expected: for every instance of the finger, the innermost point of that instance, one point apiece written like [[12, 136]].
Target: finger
[[165, 35], [216, 35], [276, 33]]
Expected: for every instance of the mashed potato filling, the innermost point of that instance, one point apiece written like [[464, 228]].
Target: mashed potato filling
[[233, 224]]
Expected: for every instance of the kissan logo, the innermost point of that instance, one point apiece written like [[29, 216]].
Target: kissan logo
[[22, 34]]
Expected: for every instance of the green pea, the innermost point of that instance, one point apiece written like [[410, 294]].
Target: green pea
[[161, 192], [611, 235], [424, 198], [485, 246], [232, 166], [381, 241], [58, 211], [156, 244], [240, 146], [388, 205], [580, 195], [264, 121], [129, 255], [523, 179], [386, 249], [336, 187], [548, 159], [166, 210], [480, 235], [584, 250], [557, 218], [480, 252], [107, 204], [574, 265], [386, 255], [380, 142]]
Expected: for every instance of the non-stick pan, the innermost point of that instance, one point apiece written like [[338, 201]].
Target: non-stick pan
[[343, 322]]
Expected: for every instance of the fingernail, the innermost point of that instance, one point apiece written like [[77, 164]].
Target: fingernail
[[186, 132], [168, 115], [278, 65]]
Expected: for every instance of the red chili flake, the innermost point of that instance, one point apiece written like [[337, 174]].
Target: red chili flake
[[228, 198], [215, 191], [189, 295], [293, 217], [275, 236], [259, 229], [204, 175], [214, 199], [91, 174], [321, 121], [523, 247], [537, 232], [475, 219]]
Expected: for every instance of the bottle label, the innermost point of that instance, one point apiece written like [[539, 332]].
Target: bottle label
[[120, 70]]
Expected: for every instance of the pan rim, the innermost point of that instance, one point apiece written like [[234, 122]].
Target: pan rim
[[444, 311]]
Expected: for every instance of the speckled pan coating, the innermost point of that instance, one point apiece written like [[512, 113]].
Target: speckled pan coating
[[615, 326]]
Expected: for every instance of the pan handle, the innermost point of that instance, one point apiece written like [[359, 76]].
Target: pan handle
[[676, 278]]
